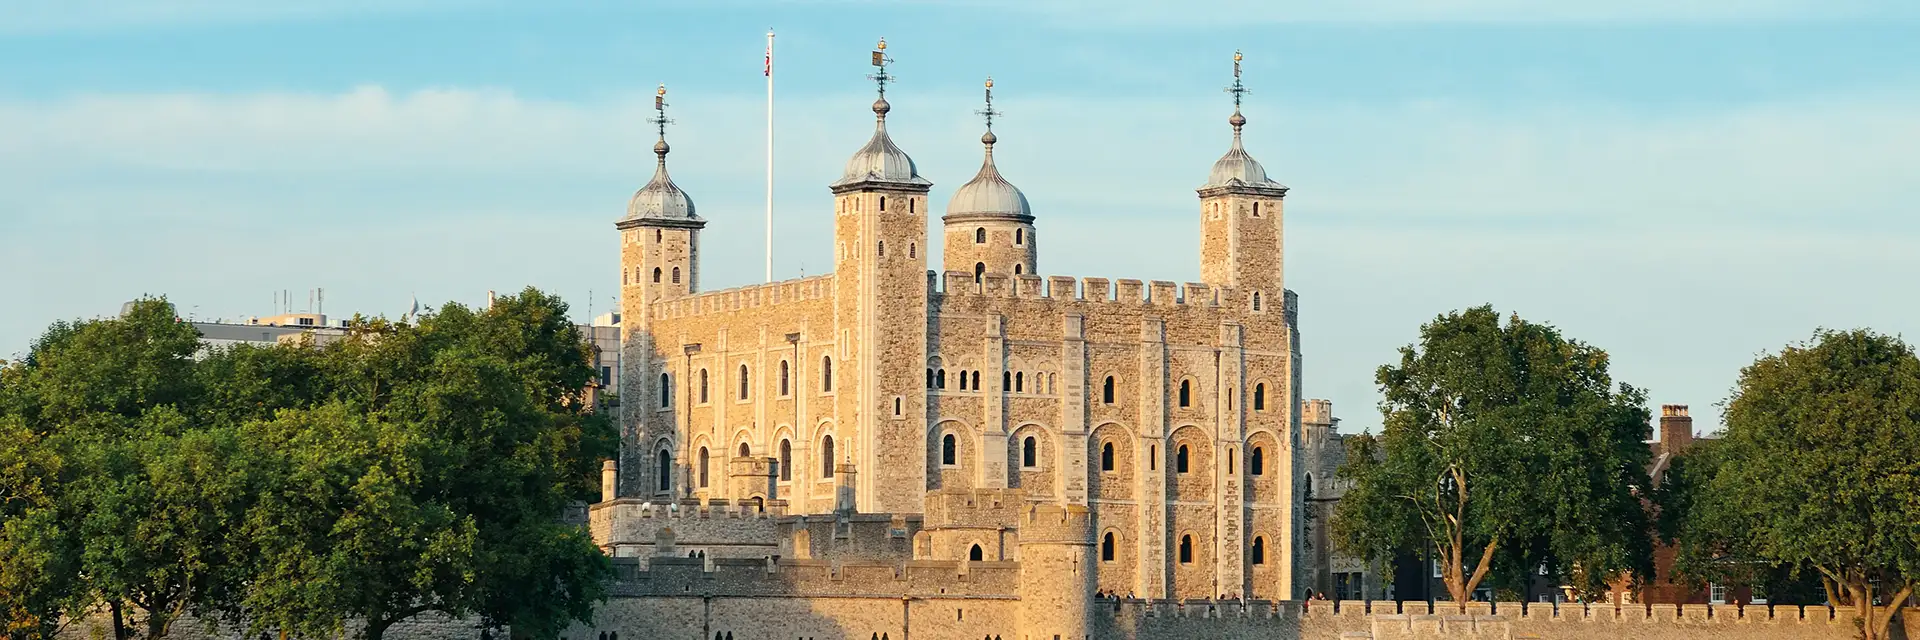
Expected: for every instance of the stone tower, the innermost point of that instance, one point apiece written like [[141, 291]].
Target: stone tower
[[1240, 227], [1057, 565], [659, 260], [880, 272], [989, 227]]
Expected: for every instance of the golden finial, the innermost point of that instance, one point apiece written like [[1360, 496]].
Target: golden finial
[[883, 44], [989, 82], [662, 90], [1236, 55]]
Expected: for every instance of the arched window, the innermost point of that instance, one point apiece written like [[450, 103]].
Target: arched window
[[1106, 547], [1006, 381], [1260, 397], [913, 249], [826, 374], [826, 457], [1016, 269], [785, 376], [703, 467], [1256, 301], [977, 553], [1106, 456], [703, 386], [949, 450], [930, 378], [1258, 555], [1256, 209], [656, 275], [1180, 460], [883, 203], [676, 275], [786, 460], [744, 450], [963, 379], [657, 235], [976, 381], [980, 235], [979, 272], [1186, 393], [1229, 460], [940, 378], [666, 390], [666, 470], [1020, 381], [883, 248], [1186, 549], [1019, 236], [1029, 453], [1309, 486], [1106, 391], [743, 382], [1258, 464]]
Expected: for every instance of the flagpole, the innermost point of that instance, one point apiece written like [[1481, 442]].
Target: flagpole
[[769, 154]]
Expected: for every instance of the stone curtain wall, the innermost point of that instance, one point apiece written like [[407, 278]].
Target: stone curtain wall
[[966, 616]]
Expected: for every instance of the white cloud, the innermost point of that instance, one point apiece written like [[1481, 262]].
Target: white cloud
[[47, 16], [1684, 241]]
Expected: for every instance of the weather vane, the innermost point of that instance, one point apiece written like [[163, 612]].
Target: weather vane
[[880, 61], [660, 110], [989, 112], [1236, 89]]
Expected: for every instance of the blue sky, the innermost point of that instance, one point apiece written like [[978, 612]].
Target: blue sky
[[1683, 184]]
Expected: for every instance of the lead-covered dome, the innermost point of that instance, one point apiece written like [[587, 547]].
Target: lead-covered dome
[[988, 193], [880, 160], [660, 199], [1237, 168]]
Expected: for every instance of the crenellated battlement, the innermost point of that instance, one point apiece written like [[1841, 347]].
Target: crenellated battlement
[[746, 297], [1054, 523], [1084, 290], [790, 577]]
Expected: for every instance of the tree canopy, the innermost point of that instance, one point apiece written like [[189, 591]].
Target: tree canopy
[[1506, 449], [406, 468], [1818, 467]]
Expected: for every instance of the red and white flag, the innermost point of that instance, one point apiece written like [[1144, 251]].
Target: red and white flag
[[769, 70]]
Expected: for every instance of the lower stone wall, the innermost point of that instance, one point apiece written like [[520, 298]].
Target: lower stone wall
[[422, 627], [973, 617]]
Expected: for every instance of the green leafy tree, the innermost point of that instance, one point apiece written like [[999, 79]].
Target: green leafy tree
[[456, 444], [1505, 448], [1819, 469]]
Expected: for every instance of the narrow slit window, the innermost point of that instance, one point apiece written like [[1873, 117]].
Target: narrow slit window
[[743, 382], [1029, 453], [949, 450], [1180, 460], [1257, 462], [1260, 397], [1186, 549], [703, 386], [1106, 391], [1186, 393], [1107, 547], [826, 457], [786, 377], [1106, 456], [980, 235]]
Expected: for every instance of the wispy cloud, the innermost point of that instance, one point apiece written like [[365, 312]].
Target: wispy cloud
[[48, 16], [1714, 232]]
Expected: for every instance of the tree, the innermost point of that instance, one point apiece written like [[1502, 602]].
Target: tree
[[454, 445], [1819, 467], [1505, 449]]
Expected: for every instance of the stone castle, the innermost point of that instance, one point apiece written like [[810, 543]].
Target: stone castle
[[1047, 438]]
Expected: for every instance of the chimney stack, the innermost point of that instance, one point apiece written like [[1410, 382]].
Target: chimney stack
[[1676, 428]]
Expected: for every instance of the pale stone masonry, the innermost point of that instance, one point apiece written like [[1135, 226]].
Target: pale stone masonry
[[1121, 436]]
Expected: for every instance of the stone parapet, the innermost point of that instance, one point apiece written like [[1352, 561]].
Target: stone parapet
[[747, 297]]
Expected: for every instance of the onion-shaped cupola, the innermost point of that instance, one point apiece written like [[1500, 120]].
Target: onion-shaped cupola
[[880, 161], [989, 226], [988, 194], [1237, 168], [661, 199]]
